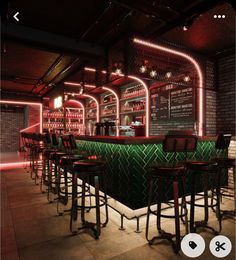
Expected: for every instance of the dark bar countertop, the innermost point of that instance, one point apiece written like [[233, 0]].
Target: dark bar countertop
[[133, 140]]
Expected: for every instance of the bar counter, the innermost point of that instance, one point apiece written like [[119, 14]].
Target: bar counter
[[128, 160]]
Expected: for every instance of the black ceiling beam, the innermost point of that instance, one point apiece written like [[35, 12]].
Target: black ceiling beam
[[97, 20], [60, 74], [48, 72], [195, 10], [115, 25], [51, 42], [135, 7]]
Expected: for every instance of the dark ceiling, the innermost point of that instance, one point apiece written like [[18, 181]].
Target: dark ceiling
[[54, 40]]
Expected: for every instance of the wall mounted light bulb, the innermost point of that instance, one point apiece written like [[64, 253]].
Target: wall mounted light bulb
[[186, 78], [153, 73], [143, 69], [118, 71], [168, 74]]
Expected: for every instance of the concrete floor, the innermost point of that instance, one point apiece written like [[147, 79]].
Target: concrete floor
[[32, 230]]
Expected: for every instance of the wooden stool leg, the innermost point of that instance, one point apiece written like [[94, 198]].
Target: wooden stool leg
[[218, 195], [98, 221], [192, 203], [176, 205], [205, 190], [149, 206], [159, 198], [83, 201], [74, 214]]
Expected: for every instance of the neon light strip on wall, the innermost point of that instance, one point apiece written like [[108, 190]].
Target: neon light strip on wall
[[117, 107], [12, 165], [78, 103], [93, 98], [78, 84], [28, 103], [147, 102], [196, 65], [29, 127]]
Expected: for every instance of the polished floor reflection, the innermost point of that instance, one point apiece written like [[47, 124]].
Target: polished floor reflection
[[31, 229]]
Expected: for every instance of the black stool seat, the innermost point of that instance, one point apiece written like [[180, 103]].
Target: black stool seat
[[56, 155], [200, 166], [228, 162], [67, 160], [47, 152], [88, 166], [165, 170]]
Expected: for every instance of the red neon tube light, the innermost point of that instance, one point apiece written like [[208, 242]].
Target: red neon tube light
[[147, 102], [93, 98], [78, 103], [197, 67], [117, 107]]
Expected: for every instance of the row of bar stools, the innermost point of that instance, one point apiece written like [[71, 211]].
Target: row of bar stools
[[88, 170], [174, 174]]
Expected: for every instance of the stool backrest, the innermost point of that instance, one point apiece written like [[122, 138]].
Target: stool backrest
[[223, 141], [179, 142], [66, 142], [55, 141], [72, 142], [47, 139]]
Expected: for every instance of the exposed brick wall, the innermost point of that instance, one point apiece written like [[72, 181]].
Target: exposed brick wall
[[33, 115], [210, 99], [11, 124], [161, 128], [225, 117]]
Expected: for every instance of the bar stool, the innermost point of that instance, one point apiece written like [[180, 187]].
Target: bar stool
[[209, 173], [88, 171], [225, 163], [54, 160], [45, 159], [175, 173], [64, 181]]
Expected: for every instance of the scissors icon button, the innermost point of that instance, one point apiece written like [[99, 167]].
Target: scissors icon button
[[219, 246]]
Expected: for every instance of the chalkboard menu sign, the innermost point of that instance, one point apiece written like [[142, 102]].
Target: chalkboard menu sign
[[172, 102]]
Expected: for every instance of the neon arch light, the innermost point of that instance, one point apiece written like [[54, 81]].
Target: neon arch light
[[117, 106], [89, 96], [197, 67], [77, 103], [147, 96], [147, 102]]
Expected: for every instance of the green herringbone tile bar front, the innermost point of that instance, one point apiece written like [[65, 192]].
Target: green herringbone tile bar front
[[127, 167]]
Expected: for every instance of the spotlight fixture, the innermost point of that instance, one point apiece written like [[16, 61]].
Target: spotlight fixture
[[81, 88], [143, 69], [153, 73], [118, 71], [188, 24], [168, 74], [186, 78]]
